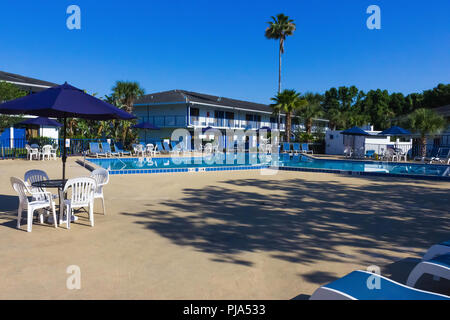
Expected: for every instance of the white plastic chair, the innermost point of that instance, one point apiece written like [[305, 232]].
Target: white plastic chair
[[46, 152], [46, 201], [208, 148], [101, 177], [150, 148], [138, 149], [82, 195], [32, 152]]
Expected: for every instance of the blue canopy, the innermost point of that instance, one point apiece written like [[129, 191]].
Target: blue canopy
[[64, 101], [395, 131], [355, 131], [41, 121], [146, 125]]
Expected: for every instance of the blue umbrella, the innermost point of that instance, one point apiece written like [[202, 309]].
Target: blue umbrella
[[355, 131], [206, 129], [41, 121], [146, 126], [64, 101], [265, 128], [395, 131]]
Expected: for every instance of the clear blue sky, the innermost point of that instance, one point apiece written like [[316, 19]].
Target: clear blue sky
[[218, 47]]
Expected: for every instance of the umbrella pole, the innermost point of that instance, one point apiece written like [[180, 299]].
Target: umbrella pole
[[64, 157]]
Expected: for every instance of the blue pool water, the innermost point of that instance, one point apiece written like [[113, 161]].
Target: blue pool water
[[247, 161]]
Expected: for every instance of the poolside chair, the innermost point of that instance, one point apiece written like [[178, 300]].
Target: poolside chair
[[81, 195], [443, 156], [286, 147], [47, 151], [369, 154], [437, 250], [159, 147], [354, 286], [166, 147], [101, 177], [439, 267], [150, 149], [119, 148], [106, 147], [45, 202], [305, 148], [94, 150], [32, 176], [138, 149], [296, 148], [32, 152], [348, 152]]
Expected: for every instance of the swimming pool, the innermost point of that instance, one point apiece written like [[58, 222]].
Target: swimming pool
[[283, 162]]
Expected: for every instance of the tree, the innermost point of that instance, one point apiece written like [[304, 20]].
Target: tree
[[124, 94], [9, 91], [310, 110], [425, 122], [279, 28], [287, 101]]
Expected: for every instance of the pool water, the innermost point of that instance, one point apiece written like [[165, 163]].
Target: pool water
[[282, 160]]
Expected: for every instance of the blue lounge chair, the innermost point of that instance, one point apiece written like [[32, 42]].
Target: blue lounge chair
[[369, 154], [354, 286], [106, 147], [159, 147], [439, 267], [166, 147], [296, 148], [119, 148], [94, 150], [286, 147], [437, 250], [305, 148]]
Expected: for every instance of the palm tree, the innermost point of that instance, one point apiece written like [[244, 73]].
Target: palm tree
[[124, 94], [310, 110], [287, 101], [279, 28], [425, 122]]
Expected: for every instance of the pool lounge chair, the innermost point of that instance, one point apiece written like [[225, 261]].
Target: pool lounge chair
[[439, 267], [106, 147], [286, 147], [443, 156], [354, 286], [159, 147], [94, 150], [119, 148], [305, 148], [296, 148], [369, 154], [166, 147], [437, 250]]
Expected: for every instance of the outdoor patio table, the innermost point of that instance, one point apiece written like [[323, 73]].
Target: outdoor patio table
[[54, 183]]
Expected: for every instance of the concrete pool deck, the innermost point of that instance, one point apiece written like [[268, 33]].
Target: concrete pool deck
[[222, 235]]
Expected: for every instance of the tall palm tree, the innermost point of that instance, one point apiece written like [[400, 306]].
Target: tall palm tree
[[310, 110], [279, 28], [287, 102], [124, 94], [425, 122]]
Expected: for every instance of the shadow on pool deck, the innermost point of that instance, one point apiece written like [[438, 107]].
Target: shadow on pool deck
[[303, 221]]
